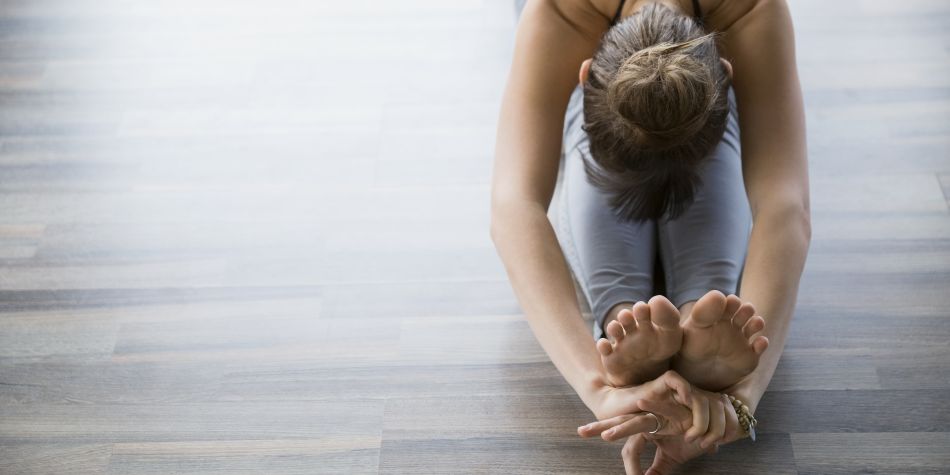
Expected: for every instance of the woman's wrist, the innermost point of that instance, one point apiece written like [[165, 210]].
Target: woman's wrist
[[594, 391], [748, 393]]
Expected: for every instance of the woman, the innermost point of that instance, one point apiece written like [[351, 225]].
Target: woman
[[654, 164]]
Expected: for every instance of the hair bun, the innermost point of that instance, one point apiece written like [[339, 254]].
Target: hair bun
[[663, 94]]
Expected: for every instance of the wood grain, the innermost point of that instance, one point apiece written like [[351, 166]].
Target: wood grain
[[252, 237], [913, 452]]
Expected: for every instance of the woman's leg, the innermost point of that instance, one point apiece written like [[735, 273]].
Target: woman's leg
[[612, 261], [704, 249]]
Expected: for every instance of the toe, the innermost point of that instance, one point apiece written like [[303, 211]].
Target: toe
[[625, 317], [663, 313], [604, 347], [641, 313], [615, 330], [708, 309], [753, 326], [742, 316], [733, 303], [760, 344]]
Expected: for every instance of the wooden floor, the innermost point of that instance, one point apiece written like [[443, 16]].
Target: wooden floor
[[252, 237]]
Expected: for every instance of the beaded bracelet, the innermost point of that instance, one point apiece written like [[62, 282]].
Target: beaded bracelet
[[746, 420]]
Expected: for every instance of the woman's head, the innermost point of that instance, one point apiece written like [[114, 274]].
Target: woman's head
[[655, 105]]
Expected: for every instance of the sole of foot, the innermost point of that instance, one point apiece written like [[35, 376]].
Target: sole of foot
[[720, 342], [641, 342]]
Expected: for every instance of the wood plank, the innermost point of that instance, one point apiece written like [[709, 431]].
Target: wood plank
[[517, 455], [142, 299], [276, 338], [226, 421], [334, 454], [892, 192], [915, 367], [487, 340], [890, 452], [891, 410], [30, 458], [825, 369], [49, 336]]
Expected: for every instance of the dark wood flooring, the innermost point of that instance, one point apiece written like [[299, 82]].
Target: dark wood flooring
[[252, 237]]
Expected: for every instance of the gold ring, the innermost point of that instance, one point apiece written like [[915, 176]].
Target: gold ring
[[659, 425]]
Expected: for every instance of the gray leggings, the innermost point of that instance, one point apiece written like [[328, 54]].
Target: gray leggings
[[613, 262]]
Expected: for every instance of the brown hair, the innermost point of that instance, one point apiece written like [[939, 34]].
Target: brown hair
[[655, 105]]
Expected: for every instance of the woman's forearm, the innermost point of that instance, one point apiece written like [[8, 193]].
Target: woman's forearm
[[526, 243], [774, 263]]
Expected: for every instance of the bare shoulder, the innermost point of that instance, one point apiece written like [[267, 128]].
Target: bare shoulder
[[732, 17], [756, 34], [720, 15], [587, 17]]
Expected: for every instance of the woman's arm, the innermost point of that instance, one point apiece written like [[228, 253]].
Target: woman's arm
[[548, 52], [761, 46]]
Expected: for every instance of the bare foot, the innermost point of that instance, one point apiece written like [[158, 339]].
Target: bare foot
[[718, 347], [643, 339]]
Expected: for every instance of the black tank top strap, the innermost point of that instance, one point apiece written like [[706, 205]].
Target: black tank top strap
[[698, 14], [617, 14]]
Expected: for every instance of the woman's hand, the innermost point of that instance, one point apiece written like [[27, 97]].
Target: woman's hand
[[672, 450], [673, 419], [710, 419], [723, 422], [613, 401], [669, 396]]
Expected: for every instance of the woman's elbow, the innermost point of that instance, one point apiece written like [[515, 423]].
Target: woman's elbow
[[796, 213]]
